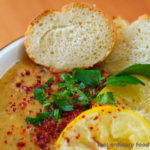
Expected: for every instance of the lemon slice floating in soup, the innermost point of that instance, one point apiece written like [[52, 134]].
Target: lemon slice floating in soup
[[102, 127], [134, 97]]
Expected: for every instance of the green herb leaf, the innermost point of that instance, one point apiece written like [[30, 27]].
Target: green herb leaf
[[39, 95], [61, 85], [88, 77], [63, 104], [137, 69], [70, 84], [123, 81], [56, 114], [50, 80], [105, 98], [82, 98], [67, 78], [80, 85], [44, 86], [47, 104], [36, 121]]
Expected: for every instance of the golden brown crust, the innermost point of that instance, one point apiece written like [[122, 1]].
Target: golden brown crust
[[145, 16], [65, 9]]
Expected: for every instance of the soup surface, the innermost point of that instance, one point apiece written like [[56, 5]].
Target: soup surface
[[22, 90], [17, 103]]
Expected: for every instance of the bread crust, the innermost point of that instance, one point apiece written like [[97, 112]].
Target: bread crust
[[65, 9]]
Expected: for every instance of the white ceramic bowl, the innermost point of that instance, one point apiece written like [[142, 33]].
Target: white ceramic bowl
[[11, 54]]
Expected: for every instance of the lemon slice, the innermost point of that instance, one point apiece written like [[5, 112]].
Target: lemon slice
[[134, 97], [106, 127]]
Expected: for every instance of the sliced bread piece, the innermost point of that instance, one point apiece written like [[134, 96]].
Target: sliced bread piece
[[78, 36], [120, 25], [132, 46]]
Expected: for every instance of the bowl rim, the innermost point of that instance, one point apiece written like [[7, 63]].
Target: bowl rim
[[11, 42]]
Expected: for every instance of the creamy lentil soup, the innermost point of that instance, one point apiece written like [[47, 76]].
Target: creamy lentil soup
[[36, 104], [17, 102]]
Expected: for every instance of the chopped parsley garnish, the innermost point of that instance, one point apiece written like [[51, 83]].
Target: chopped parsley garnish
[[105, 98], [80, 89], [88, 77], [39, 95], [42, 116]]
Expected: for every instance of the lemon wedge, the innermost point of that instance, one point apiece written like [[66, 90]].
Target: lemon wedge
[[106, 128], [133, 97]]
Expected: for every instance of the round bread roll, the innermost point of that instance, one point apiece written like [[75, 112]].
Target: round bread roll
[[78, 36], [132, 46]]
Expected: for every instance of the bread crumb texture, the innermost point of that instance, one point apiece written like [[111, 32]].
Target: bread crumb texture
[[78, 36], [132, 46]]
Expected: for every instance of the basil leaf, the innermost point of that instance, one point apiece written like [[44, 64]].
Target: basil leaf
[[88, 77], [39, 95], [36, 121], [123, 81], [137, 69], [105, 98]]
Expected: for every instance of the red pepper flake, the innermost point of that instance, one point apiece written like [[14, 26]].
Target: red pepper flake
[[22, 131], [93, 137], [118, 109], [77, 137], [75, 71], [91, 128], [123, 107], [109, 112], [118, 102], [83, 116], [122, 81], [14, 104], [11, 95], [71, 85], [14, 109], [93, 76], [18, 85], [30, 111], [93, 103], [67, 139], [9, 133], [21, 144], [24, 99], [23, 105], [102, 110], [96, 117], [28, 127], [114, 117], [5, 141]]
